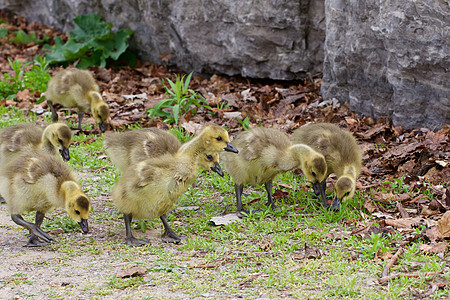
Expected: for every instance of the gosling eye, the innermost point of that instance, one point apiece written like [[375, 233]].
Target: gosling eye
[[219, 138], [60, 141], [313, 174], [77, 211], [209, 157]]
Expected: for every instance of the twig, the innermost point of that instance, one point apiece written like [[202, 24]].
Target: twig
[[391, 262], [251, 278], [414, 275]]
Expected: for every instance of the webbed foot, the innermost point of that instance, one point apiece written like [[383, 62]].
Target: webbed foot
[[170, 237], [134, 242], [34, 241]]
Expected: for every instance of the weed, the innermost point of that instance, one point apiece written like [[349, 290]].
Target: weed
[[93, 43], [375, 243], [397, 185], [35, 79], [182, 100], [244, 123], [3, 32], [24, 38]]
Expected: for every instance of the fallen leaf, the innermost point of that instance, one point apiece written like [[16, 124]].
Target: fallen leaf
[[279, 194], [369, 205], [444, 225], [312, 252], [433, 233], [384, 197], [433, 248], [226, 219], [436, 205], [403, 223], [133, 272], [24, 95]]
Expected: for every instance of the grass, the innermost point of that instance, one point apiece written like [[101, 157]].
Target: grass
[[261, 256]]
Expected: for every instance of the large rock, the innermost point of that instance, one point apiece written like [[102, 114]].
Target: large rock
[[255, 38], [389, 58]]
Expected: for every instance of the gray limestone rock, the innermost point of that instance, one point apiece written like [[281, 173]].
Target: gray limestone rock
[[390, 59], [387, 58]]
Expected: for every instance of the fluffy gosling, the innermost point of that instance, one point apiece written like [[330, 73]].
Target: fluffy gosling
[[150, 188], [77, 88], [263, 154], [39, 182], [342, 155], [16, 139]]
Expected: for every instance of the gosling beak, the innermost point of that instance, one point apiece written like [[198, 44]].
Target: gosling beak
[[65, 153], [319, 189], [102, 127], [84, 225], [335, 205], [230, 148], [217, 169]]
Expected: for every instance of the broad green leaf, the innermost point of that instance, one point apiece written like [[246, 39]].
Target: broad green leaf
[[187, 82], [176, 112], [3, 32], [90, 27]]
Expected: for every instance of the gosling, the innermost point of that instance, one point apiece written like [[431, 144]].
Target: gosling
[[16, 139], [342, 155], [39, 182], [263, 154], [77, 88], [150, 188], [130, 147]]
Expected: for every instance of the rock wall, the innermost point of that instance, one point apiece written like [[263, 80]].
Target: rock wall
[[254, 38], [387, 58]]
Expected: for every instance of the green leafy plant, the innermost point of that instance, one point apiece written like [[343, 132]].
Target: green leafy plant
[[93, 43], [397, 185], [244, 123], [24, 38], [35, 79], [3, 32], [181, 101], [375, 243]]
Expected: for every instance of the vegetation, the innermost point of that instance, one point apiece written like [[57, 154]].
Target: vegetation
[[33, 79], [181, 101], [93, 43], [263, 255]]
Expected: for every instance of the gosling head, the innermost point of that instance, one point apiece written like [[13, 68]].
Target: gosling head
[[345, 188], [100, 110], [60, 136], [77, 204], [215, 139], [210, 161]]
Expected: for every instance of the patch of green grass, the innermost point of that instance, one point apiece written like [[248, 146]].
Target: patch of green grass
[[34, 78]]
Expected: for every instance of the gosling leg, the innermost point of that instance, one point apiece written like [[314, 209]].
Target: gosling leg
[[239, 189], [270, 203], [131, 240], [54, 113], [32, 228], [80, 118], [34, 241], [169, 236]]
